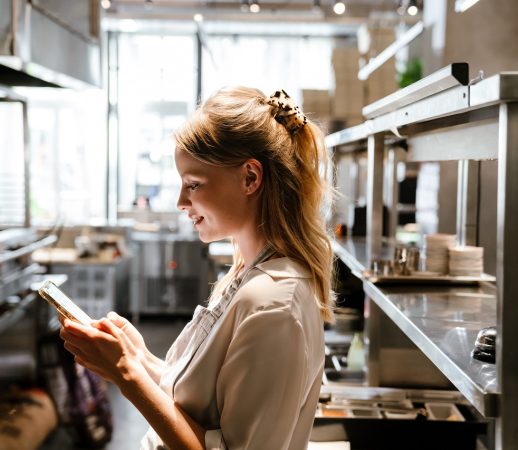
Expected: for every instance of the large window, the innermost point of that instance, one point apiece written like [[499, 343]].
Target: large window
[[12, 169], [67, 153], [268, 63], [154, 82], [156, 92]]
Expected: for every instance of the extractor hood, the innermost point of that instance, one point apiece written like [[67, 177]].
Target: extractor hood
[[50, 43]]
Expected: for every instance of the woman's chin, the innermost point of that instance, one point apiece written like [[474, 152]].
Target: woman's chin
[[207, 238]]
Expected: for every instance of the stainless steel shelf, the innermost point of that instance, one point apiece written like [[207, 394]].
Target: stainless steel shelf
[[13, 316], [463, 123], [442, 321], [10, 255], [443, 79], [348, 136], [353, 252]]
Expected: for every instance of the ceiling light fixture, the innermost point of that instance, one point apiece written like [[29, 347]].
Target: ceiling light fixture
[[412, 9], [198, 17], [254, 7], [339, 7], [106, 4]]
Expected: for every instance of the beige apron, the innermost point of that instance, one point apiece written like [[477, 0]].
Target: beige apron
[[194, 334]]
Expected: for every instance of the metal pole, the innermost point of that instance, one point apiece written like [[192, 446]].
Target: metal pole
[[26, 166], [507, 279], [375, 150], [199, 61], [468, 201]]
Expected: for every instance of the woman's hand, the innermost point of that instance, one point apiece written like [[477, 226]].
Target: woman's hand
[[152, 363], [105, 349], [129, 330]]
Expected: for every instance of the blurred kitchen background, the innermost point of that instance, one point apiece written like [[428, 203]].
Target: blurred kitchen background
[[90, 94]]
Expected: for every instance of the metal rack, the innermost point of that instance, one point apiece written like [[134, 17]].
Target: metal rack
[[467, 123]]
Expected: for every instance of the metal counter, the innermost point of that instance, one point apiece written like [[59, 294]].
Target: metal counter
[[442, 321], [466, 124]]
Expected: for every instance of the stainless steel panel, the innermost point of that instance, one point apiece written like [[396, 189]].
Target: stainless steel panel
[[393, 359], [477, 140], [375, 154], [443, 324], [6, 7], [507, 270], [467, 202], [443, 79], [169, 273], [441, 321], [445, 103], [349, 135], [395, 155], [75, 18], [42, 49], [487, 213], [72, 56], [353, 252], [503, 86], [7, 256]]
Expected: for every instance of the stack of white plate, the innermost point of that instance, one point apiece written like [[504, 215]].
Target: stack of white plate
[[466, 261], [436, 251]]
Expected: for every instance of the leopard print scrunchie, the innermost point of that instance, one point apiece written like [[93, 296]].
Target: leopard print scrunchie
[[287, 113]]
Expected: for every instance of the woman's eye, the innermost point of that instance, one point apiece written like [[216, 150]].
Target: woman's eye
[[193, 186]]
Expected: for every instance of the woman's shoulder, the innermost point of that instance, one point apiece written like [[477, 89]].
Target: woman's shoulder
[[280, 284]]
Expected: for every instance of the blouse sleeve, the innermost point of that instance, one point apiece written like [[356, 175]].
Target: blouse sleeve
[[261, 384]]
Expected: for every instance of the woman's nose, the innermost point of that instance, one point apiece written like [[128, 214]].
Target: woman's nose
[[183, 202]]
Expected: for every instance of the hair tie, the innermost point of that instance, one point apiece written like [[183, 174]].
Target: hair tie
[[287, 114]]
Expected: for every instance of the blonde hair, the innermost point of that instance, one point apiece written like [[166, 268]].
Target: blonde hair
[[236, 124]]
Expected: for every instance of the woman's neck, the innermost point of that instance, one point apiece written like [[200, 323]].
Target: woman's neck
[[250, 248]]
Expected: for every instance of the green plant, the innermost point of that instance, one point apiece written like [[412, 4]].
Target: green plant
[[413, 72]]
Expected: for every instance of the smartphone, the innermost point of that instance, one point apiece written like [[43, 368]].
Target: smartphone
[[66, 307]]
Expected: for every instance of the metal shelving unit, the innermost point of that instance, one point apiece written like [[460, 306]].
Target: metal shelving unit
[[466, 123]]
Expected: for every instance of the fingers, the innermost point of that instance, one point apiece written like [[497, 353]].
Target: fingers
[[116, 319], [78, 329], [76, 351], [115, 331], [81, 336], [109, 327]]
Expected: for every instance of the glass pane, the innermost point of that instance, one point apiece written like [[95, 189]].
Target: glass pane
[[268, 63], [157, 91], [12, 187], [67, 155]]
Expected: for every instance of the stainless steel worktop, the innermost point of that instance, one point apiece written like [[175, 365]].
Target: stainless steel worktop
[[442, 321], [465, 124], [353, 252]]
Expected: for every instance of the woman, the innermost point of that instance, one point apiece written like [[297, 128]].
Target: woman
[[246, 372]]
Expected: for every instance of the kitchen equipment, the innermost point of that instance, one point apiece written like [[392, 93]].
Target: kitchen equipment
[[397, 419], [485, 345], [169, 273], [18, 328]]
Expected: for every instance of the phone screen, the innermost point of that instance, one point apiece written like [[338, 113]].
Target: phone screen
[[50, 292]]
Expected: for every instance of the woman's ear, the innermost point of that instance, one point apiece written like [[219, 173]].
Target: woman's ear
[[253, 175]]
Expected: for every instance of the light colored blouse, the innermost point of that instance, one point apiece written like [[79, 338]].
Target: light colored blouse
[[249, 368]]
